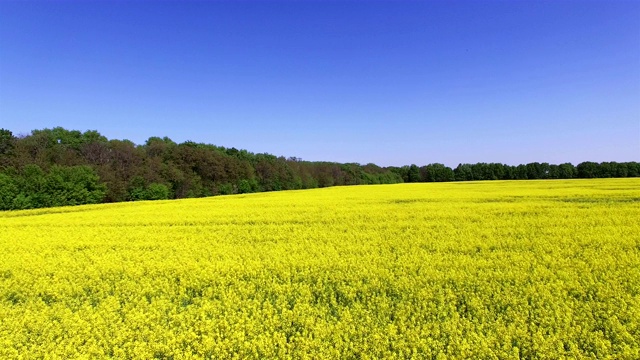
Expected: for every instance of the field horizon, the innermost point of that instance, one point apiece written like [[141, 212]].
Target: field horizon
[[83, 207]]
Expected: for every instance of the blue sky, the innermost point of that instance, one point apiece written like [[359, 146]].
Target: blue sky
[[391, 83]]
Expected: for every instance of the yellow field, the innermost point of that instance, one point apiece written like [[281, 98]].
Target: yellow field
[[490, 270]]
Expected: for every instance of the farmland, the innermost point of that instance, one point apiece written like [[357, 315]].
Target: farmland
[[492, 270]]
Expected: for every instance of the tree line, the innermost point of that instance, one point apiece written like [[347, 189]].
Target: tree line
[[531, 171], [56, 167]]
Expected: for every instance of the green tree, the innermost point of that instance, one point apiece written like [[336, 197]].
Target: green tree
[[7, 142], [157, 191], [633, 169], [463, 172], [7, 145], [587, 170], [72, 186], [413, 175], [8, 192], [244, 186], [566, 171]]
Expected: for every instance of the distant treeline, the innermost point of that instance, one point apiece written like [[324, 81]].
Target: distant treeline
[[56, 167]]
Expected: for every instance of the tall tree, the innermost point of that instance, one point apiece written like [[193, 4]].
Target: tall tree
[[7, 145]]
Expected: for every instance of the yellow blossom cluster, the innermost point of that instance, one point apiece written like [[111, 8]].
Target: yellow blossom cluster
[[487, 270]]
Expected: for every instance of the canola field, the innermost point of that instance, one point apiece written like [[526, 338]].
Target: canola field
[[486, 270]]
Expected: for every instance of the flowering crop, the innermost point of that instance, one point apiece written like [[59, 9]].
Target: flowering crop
[[491, 270]]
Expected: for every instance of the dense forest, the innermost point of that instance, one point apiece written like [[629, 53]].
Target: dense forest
[[56, 167]]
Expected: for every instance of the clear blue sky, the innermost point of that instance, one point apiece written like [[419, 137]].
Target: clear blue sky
[[391, 83]]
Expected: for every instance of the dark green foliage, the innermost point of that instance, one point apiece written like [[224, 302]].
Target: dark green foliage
[[7, 142], [53, 167], [73, 185], [60, 186], [158, 192], [246, 186], [436, 172], [139, 190], [413, 174], [463, 172], [587, 170], [566, 171], [225, 189], [8, 192]]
